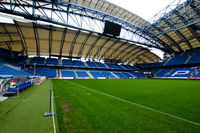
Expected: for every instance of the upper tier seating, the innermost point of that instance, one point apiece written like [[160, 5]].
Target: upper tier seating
[[129, 67], [22, 59], [110, 66], [79, 64], [150, 65], [52, 61], [178, 59], [91, 64], [195, 56], [114, 66], [100, 65], [38, 60], [66, 62]]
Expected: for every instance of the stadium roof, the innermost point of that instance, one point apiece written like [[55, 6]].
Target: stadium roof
[[82, 24], [110, 8], [35, 39], [179, 28]]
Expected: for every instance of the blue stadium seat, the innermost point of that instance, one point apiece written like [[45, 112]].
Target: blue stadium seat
[[138, 74], [181, 72], [82, 74], [91, 64], [67, 73], [96, 74], [52, 61], [120, 75], [107, 74], [68, 63], [6, 70], [49, 72], [37, 60], [79, 64], [127, 74], [100, 65]]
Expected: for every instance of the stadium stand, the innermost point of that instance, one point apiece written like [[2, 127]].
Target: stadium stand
[[78, 64], [67, 73], [138, 74], [91, 64], [181, 72], [82, 74], [100, 65], [6, 69], [66, 62], [108, 74], [49, 72], [128, 75], [96, 74], [120, 75], [51, 61], [37, 60]]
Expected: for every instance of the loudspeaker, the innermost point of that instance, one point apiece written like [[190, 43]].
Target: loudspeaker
[[112, 28]]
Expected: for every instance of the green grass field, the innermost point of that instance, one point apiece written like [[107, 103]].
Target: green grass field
[[127, 106], [106, 106]]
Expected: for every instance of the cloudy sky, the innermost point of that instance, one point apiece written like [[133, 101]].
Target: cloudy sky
[[145, 8]]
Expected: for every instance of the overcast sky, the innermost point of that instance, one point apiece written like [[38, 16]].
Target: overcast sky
[[144, 8]]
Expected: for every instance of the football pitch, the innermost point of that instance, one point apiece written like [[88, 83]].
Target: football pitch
[[105, 106], [127, 106]]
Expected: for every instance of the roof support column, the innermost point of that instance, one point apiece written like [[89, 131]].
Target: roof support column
[[24, 46], [73, 43], [36, 39], [62, 41], [50, 39]]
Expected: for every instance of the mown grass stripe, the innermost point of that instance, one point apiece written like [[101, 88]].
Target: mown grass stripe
[[136, 104]]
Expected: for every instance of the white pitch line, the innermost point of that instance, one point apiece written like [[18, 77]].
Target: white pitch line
[[136, 104], [52, 108]]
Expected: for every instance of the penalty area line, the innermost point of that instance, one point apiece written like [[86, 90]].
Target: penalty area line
[[136, 104]]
